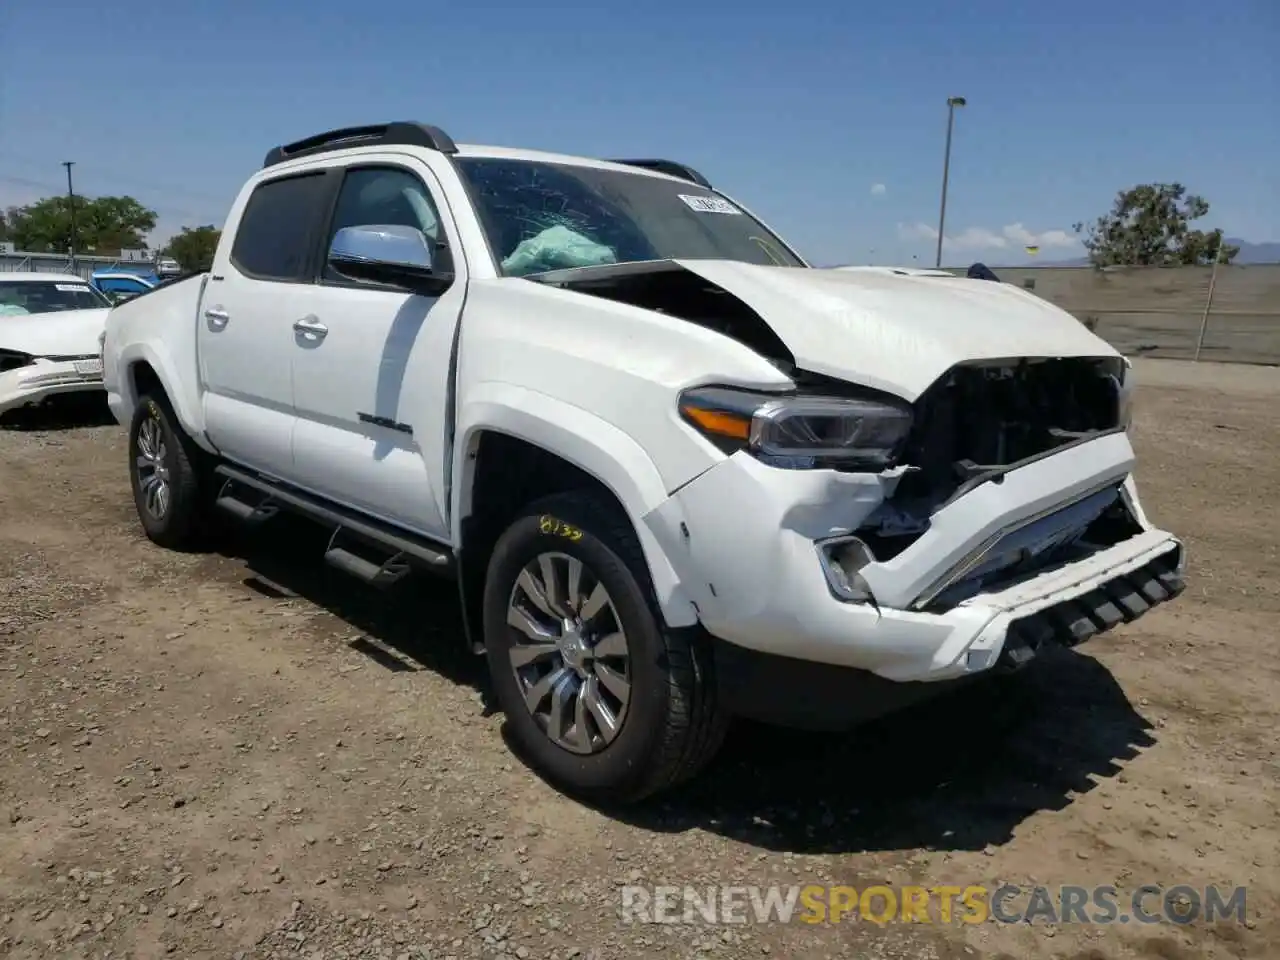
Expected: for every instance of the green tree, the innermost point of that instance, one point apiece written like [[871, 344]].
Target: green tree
[[194, 247], [105, 225], [1150, 225]]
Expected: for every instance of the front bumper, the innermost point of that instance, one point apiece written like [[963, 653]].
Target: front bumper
[[742, 538], [36, 382]]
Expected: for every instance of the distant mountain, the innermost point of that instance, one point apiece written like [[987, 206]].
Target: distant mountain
[[1266, 252]]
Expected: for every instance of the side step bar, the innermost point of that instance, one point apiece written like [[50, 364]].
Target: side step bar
[[402, 551], [250, 513]]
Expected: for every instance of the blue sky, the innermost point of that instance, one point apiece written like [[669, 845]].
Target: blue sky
[[827, 118]]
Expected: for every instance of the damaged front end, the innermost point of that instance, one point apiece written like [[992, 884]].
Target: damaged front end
[[979, 473], [981, 421], [980, 426], [30, 380]]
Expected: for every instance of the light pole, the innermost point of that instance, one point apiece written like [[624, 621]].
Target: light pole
[[71, 203], [952, 103]]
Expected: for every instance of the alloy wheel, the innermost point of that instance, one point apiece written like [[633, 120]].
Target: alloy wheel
[[570, 657], [153, 470]]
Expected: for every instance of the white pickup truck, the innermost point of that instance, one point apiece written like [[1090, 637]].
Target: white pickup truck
[[678, 474]]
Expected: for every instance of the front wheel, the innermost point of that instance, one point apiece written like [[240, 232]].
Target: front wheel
[[603, 698], [163, 473]]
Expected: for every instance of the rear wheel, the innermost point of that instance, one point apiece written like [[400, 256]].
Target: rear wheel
[[164, 474], [604, 700]]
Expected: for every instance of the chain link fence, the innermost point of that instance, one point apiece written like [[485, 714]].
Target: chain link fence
[[1188, 313], [84, 265]]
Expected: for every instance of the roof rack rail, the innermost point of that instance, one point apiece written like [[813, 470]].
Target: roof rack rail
[[397, 133], [671, 168]]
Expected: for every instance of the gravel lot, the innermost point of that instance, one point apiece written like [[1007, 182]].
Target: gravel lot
[[242, 754]]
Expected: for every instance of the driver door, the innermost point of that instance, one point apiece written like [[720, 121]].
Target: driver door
[[371, 363]]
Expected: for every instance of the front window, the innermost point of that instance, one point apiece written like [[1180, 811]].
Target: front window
[[18, 298], [541, 216]]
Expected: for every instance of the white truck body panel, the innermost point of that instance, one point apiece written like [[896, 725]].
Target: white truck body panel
[[729, 540]]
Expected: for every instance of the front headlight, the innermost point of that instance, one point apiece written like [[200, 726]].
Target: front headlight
[[1125, 402], [1120, 373], [799, 432]]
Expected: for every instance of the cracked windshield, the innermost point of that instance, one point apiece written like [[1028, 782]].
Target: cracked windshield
[[546, 216]]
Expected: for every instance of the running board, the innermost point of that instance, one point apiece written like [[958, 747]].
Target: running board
[[242, 510], [376, 572], [404, 550]]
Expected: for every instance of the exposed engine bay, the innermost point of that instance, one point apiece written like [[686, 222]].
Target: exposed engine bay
[[981, 417], [663, 287], [975, 423], [979, 420]]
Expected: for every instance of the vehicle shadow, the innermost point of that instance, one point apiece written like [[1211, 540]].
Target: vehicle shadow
[[414, 625], [957, 773], [67, 412]]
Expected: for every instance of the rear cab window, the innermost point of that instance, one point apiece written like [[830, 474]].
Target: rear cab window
[[275, 237]]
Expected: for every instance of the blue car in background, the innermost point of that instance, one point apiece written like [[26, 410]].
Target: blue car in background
[[121, 285]]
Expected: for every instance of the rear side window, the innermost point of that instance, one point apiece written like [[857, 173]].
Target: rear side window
[[276, 233]]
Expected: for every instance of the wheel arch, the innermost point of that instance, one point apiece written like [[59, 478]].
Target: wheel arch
[[148, 367], [515, 445]]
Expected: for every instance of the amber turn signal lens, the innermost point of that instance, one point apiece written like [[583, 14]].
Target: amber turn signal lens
[[718, 422]]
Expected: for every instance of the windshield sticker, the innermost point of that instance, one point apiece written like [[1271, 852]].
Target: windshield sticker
[[71, 288], [709, 204]]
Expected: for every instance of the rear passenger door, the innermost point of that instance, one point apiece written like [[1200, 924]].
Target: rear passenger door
[[245, 330]]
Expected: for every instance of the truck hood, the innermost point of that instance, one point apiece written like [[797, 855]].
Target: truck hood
[[64, 333], [898, 330]]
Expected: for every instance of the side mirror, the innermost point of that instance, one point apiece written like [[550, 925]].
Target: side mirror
[[390, 254], [980, 271]]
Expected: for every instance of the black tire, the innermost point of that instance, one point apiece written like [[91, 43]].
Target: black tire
[[180, 524], [673, 724]]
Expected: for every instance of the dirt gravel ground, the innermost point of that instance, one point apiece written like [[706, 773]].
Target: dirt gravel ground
[[242, 754]]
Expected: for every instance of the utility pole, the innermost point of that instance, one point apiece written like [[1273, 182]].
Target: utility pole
[[952, 103], [1208, 302], [71, 203]]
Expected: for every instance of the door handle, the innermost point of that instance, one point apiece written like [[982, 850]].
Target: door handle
[[217, 316], [311, 326]]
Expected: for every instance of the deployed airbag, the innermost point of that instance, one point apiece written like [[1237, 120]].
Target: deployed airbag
[[556, 248]]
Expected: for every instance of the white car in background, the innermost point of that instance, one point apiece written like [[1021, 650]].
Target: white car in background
[[50, 330]]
